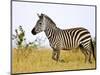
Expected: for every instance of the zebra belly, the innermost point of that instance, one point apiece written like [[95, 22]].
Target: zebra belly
[[70, 46]]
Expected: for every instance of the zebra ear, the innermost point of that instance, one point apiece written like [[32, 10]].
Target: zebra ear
[[38, 15], [42, 14]]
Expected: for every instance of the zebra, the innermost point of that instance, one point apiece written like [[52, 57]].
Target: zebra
[[65, 39]]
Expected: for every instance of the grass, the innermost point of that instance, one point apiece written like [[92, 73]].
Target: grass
[[39, 60]]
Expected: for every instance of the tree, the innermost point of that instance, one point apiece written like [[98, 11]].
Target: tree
[[19, 36]]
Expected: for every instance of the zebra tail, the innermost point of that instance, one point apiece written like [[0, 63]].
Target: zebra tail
[[93, 50]]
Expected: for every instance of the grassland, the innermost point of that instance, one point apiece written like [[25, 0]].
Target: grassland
[[39, 60]]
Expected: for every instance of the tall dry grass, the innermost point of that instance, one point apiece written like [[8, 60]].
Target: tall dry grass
[[39, 60]]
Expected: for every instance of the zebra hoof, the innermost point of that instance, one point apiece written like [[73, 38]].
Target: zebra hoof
[[54, 59], [90, 62], [62, 61]]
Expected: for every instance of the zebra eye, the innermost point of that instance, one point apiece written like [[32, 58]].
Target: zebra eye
[[40, 23]]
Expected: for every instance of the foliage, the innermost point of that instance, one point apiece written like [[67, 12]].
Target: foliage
[[21, 40], [32, 45], [19, 36]]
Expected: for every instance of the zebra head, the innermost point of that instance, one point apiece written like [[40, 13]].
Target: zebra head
[[40, 25]]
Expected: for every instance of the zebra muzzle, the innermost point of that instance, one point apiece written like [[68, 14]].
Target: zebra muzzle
[[33, 31]]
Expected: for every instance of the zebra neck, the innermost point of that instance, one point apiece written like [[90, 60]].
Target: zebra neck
[[50, 32]]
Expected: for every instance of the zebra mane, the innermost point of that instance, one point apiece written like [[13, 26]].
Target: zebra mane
[[49, 19]]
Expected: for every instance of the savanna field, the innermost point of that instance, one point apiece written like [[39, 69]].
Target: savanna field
[[25, 60]]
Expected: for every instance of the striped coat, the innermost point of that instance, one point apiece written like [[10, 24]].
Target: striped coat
[[66, 39]]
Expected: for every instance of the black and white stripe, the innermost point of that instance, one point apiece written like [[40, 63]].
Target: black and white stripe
[[67, 39]]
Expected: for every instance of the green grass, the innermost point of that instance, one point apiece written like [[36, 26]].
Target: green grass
[[39, 60]]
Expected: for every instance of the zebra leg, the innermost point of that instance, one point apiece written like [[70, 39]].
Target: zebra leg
[[89, 56], [84, 52], [56, 54], [89, 51], [86, 49], [53, 55]]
